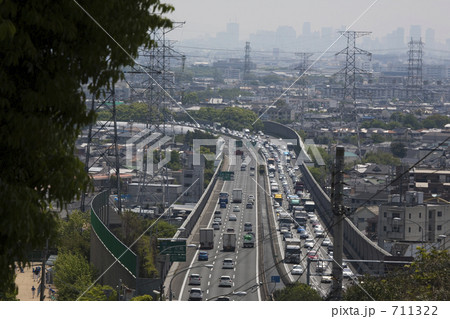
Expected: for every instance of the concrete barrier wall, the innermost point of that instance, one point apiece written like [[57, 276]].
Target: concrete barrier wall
[[106, 248], [356, 244], [193, 217]]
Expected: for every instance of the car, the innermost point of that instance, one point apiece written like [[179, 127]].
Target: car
[[248, 226], [318, 228], [230, 230], [249, 205], [203, 255], [309, 243], [326, 279], [287, 235], [312, 255], [320, 268], [252, 173], [347, 272], [195, 294], [194, 279], [225, 281], [320, 233], [300, 229], [251, 197], [228, 263], [215, 226], [304, 235], [236, 209], [218, 220], [311, 215], [223, 298], [232, 218], [326, 242], [276, 204], [284, 230], [297, 270], [313, 219], [217, 212]]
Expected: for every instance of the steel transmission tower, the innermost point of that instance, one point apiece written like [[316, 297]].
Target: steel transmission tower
[[159, 88], [350, 73], [247, 61], [414, 81], [99, 152], [302, 68]]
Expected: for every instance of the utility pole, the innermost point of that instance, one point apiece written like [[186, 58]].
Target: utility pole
[[42, 284], [337, 187]]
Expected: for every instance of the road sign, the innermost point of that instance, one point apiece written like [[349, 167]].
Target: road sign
[[175, 248], [275, 279], [227, 176]]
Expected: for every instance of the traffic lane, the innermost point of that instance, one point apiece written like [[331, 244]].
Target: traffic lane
[[213, 289]]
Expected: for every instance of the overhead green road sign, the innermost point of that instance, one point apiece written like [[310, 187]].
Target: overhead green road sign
[[176, 248], [227, 176]]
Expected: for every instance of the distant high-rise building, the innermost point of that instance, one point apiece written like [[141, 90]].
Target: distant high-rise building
[[429, 38], [415, 32], [306, 31], [395, 39], [286, 38], [229, 38], [233, 32]]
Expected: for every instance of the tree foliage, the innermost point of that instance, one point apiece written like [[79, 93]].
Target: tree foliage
[[75, 234], [100, 293], [427, 278], [142, 298], [134, 112], [297, 292], [73, 275], [234, 118], [398, 149], [48, 50], [383, 158]]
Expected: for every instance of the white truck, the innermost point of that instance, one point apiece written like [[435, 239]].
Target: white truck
[[206, 238], [237, 195], [229, 242]]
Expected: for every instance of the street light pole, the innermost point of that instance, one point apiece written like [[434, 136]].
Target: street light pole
[[182, 271]]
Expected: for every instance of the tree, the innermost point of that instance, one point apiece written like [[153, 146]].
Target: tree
[[75, 234], [100, 293], [436, 121], [297, 292], [383, 158], [142, 298], [48, 50], [427, 278], [398, 149], [73, 275]]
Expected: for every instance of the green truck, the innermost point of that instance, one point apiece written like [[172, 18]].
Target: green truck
[[249, 240]]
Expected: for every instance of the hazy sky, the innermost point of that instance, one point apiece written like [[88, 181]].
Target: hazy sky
[[211, 16]]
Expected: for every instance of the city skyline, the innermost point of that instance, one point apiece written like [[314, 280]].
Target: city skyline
[[205, 19]]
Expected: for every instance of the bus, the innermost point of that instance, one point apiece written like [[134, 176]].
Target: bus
[[292, 254]]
